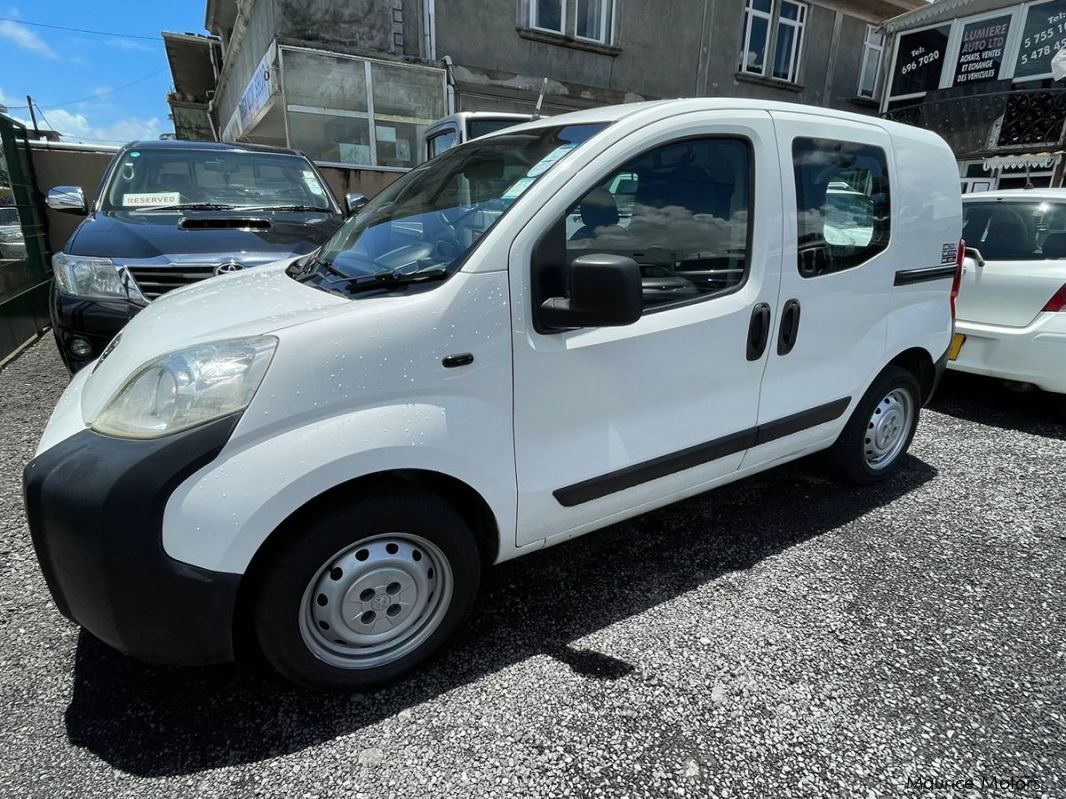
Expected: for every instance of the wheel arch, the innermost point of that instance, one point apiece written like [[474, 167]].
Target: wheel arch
[[466, 500], [918, 362]]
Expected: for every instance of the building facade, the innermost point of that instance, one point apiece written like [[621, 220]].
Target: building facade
[[978, 72], [354, 83]]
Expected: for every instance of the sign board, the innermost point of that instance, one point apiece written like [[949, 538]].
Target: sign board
[[920, 60], [1043, 36], [259, 90], [981, 50]]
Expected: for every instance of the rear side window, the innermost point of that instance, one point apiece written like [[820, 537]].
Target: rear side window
[[681, 211], [842, 199]]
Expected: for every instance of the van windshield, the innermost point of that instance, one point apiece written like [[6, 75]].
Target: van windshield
[[1015, 231], [157, 178], [425, 224]]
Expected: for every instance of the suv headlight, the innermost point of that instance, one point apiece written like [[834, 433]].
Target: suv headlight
[[93, 277], [187, 388]]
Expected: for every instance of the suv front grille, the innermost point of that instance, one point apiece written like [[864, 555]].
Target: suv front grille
[[155, 281]]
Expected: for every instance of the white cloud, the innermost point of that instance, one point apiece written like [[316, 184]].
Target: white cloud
[[26, 39], [130, 44], [76, 127]]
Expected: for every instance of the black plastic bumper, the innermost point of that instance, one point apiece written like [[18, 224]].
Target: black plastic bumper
[[94, 320], [939, 368], [95, 508]]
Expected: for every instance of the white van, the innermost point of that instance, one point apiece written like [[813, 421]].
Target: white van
[[456, 129], [489, 360]]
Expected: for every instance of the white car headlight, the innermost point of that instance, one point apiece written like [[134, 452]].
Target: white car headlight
[[186, 388], [93, 277]]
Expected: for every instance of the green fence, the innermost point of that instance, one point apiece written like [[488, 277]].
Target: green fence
[[24, 258]]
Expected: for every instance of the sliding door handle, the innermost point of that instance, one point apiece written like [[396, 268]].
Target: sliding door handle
[[790, 325], [758, 331]]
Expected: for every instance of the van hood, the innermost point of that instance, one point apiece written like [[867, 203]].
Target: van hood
[[143, 234], [241, 304]]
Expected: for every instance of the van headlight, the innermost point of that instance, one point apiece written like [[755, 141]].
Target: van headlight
[[93, 277], [187, 388]]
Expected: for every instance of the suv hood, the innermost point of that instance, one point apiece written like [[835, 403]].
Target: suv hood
[[124, 235], [240, 304]]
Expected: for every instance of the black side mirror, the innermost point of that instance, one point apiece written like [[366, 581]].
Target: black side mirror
[[975, 254], [605, 291]]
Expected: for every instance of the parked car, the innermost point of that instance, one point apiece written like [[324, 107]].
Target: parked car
[[328, 452], [12, 244], [456, 129], [1012, 301], [172, 213]]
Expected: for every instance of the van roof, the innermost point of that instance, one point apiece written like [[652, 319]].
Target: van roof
[[614, 113]]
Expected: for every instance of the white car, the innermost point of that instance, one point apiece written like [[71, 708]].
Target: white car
[[1012, 300], [328, 452]]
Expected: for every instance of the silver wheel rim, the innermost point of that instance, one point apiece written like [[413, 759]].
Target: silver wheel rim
[[888, 428], [375, 601]]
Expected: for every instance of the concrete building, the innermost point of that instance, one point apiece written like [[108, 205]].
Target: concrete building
[[978, 72], [355, 82]]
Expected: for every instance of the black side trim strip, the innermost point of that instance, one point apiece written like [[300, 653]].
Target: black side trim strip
[[907, 276], [596, 487]]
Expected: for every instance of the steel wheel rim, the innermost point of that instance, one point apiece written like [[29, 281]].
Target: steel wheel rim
[[375, 601], [888, 428]]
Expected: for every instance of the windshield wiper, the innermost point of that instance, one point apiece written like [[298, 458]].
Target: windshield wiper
[[281, 208], [388, 279], [188, 207]]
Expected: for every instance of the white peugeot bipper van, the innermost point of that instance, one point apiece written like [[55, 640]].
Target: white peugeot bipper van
[[529, 337]]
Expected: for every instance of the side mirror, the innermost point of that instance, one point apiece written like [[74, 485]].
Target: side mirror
[[975, 254], [605, 291], [355, 201], [68, 199]]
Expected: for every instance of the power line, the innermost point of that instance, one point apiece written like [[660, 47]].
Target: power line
[[99, 94], [79, 30]]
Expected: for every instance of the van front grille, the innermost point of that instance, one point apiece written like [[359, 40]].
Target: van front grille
[[155, 281]]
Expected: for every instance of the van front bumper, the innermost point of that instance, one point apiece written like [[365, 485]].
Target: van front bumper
[[95, 509]]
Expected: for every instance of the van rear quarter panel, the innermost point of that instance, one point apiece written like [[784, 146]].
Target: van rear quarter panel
[[927, 226]]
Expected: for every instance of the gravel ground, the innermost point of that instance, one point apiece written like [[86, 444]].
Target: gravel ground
[[785, 636]]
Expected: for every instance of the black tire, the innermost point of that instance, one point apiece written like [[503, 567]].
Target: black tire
[[387, 509], [847, 457]]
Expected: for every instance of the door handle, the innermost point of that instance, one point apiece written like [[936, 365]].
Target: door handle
[[790, 324], [758, 331]]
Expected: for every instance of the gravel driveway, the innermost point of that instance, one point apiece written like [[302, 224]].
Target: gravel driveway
[[784, 636]]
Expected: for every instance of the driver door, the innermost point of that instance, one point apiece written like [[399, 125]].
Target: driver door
[[614, 419]]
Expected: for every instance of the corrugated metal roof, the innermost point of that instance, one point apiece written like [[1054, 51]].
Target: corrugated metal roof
[[944, 11]]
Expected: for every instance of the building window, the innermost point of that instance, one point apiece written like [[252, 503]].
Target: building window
[[872, 53], [357, 112], [758, 14], [547, 15], [595, 19], [784, 30]]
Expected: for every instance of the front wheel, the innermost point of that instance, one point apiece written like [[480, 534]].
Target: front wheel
[[368, 590], [880, 430]]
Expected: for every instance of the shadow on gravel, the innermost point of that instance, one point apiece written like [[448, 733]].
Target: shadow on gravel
[[159, 721], [987, 401]]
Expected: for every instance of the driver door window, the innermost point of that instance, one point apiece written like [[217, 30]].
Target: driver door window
[[681, 211]]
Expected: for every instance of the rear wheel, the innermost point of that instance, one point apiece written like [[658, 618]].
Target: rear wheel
[[368, 590], [880, 430]]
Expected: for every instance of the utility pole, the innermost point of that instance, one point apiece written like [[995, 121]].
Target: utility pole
[[33, 116]]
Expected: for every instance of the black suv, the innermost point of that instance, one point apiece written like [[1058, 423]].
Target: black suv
[[174, 212]]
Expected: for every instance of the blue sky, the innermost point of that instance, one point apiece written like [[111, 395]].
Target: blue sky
[[57, 67]]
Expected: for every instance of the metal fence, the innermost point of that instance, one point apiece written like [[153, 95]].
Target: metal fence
[[977, 125], [24, 257]]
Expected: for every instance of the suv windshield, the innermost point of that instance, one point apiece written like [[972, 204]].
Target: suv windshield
[[1015, 231], [426, 223], [166, 177]]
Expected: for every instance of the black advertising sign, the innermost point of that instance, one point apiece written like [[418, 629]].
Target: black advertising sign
[[920, 60], [1043, 36], [981, 50]]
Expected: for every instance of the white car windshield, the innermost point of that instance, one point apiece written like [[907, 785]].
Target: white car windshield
[[167, 177], [1015, 231], [425, 224]]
